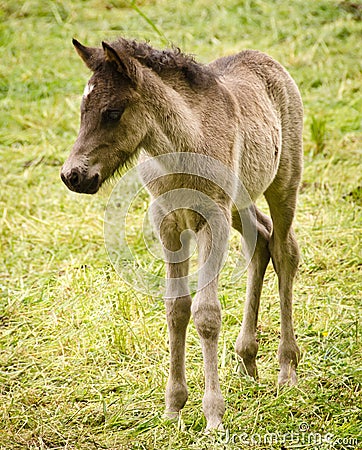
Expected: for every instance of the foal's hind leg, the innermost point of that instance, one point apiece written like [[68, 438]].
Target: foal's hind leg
[[246, 344], [285, 256]]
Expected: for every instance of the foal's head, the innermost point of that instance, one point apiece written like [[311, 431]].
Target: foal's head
[[115, 117], [112, 119]]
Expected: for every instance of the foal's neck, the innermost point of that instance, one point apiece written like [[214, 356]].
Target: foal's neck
[[176, 124]]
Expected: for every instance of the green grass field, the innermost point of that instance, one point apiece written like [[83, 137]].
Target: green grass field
[[83, 356]]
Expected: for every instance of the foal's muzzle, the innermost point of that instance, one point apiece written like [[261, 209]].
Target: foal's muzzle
[[78, 180]]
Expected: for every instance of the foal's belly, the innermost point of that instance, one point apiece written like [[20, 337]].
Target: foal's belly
[[256, 177], [259, 159]]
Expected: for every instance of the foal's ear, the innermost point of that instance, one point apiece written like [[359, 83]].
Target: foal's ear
[[127, 65], [92, 57]]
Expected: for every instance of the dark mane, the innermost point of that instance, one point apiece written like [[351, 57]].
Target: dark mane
[[162, 61]]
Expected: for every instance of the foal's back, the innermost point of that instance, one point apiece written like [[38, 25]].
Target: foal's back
[[254, 68], [270, 116]]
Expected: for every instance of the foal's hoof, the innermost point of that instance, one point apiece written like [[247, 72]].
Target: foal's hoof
[[214, 426], [247, 370], [287, 377], [171, 416]]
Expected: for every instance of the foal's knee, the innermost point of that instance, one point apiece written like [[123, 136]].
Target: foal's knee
[[207, 318], [178, 311]]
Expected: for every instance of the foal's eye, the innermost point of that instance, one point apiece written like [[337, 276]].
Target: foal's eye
[[112, 115]]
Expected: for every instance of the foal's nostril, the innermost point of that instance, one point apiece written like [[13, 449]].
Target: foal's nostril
[[72, 179], [75, 177]]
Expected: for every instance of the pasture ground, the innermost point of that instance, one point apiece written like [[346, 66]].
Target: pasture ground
[[84, 357]]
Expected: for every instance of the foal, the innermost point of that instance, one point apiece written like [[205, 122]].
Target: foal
[[244, 113]]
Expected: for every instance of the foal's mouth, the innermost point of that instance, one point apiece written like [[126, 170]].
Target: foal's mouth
[[77, 182]]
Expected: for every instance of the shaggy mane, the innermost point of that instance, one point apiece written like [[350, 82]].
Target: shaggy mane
[[162, 61]]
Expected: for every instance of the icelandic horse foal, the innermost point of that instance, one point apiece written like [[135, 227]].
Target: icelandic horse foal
[[243, 111]]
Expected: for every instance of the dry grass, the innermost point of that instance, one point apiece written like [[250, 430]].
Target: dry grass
[[84, 357]]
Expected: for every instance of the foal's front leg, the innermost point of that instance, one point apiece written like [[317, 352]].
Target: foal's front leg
[[178, 316], [206, 312], [178, 311]]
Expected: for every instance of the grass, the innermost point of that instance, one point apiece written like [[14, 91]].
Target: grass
[[84, 357], [318, 133]]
